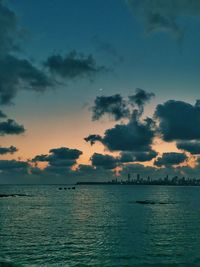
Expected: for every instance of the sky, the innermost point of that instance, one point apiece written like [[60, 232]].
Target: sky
[[94, 89]]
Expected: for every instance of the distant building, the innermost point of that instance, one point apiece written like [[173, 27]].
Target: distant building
[[129, 178], [138, 178]]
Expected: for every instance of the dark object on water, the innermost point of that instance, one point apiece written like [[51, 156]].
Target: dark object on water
[[145, 202], [65, 188], [151, 202]]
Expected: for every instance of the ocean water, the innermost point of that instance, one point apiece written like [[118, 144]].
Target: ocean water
[[97, 226]]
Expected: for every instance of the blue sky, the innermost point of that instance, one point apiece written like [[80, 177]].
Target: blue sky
[[155, 61]]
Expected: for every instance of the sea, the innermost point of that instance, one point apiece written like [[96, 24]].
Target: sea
[[100, 225]]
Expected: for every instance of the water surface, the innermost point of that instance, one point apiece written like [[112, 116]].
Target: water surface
[[100, 226]]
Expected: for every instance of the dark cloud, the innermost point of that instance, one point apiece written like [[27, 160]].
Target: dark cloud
[[11, 127], [15, 73], [16, 172], [59, 157], [104, 161], [118, 107], [73, 65], [13, 166], [9, 30], [138, 156], [169, 159], [94, 173], [114, 106], [178, 120], [57, 162], [83, 168], [65, 153], [41, 158], [133, 136], [190, 146], [58, 170], [8, 150], [140, 98], [159, 15], [93, 138]]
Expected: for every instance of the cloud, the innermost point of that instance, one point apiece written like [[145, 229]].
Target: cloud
[[190, 146], [57, 162], [104, 161], [103, 172], [114, 106], [16, 74], [13, 166], [136, 135], [41, 158], [137, 156], [16, 172], [9, 30], [8, 150], [73, 65], [59, 157], [118, 107], [140, 98], [11, 127], [162, 16], [93, 138], [178, 120], [65, 153], [133, 136], [169, 159], [85, 169]]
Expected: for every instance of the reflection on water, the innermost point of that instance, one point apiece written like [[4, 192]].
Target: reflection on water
[[100, 226]]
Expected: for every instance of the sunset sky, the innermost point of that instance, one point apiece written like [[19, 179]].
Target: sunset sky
[[75, 73]]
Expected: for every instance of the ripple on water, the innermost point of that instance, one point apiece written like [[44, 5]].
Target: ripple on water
[[99, 226]]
